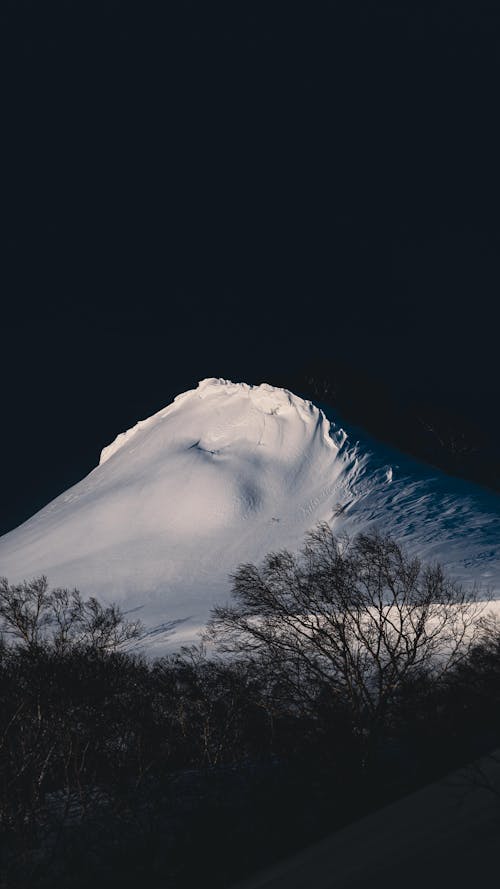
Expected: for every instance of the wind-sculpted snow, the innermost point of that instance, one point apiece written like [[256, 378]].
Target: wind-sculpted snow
[[223, 475]]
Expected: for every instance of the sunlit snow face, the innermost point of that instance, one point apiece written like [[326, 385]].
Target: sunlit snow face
[[226, 454], [216, 488]]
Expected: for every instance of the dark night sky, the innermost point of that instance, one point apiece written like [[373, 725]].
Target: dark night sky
[[234, 189]]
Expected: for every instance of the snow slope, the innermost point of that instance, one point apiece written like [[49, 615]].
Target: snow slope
[[224, 474]]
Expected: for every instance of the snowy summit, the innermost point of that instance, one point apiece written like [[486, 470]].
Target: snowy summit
[[224, 474]]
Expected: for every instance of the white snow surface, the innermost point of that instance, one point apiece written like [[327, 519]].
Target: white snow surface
[[223, 475]]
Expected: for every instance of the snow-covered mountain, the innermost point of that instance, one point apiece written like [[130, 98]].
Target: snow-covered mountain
[[224, 474]]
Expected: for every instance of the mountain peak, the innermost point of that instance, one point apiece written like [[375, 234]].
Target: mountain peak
[[224, 474], [222, 394]]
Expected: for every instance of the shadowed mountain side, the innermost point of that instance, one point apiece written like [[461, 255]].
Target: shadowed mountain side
[[458, 435]]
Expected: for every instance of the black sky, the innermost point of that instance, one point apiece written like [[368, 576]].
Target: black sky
[[234, 189]]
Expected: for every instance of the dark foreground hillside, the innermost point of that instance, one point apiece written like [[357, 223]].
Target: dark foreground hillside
[[443, 835], [193, 770], [114, 771]]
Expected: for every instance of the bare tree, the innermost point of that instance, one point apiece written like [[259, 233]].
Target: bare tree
[[25, 610], [358, 617], [33, 614]]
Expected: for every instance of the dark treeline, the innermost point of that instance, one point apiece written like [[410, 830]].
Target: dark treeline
[[198, 768]]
